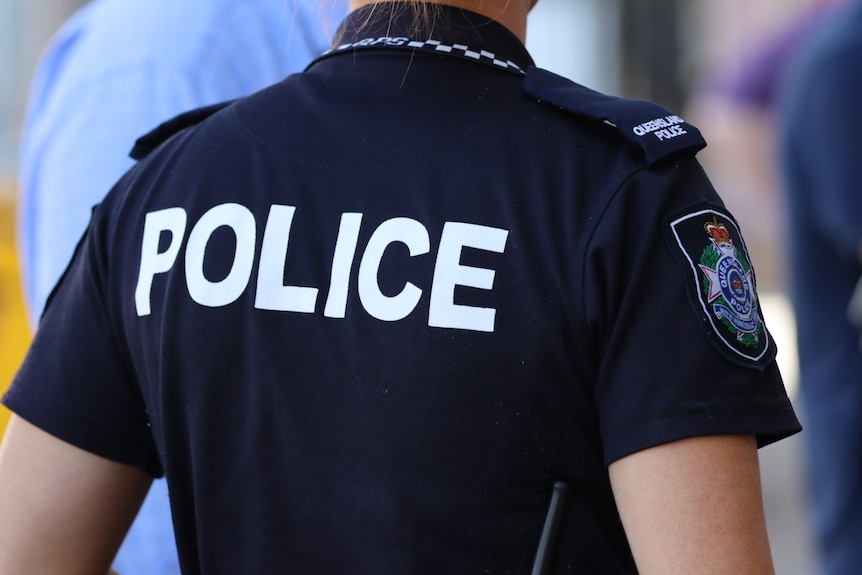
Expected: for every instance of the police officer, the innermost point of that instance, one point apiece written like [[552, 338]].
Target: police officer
[[424, 308]]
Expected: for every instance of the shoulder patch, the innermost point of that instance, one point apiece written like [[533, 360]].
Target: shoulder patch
[[649, 126], [152, 140], [707, 243]]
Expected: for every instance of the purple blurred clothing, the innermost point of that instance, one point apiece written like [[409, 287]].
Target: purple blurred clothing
[[755, 81]]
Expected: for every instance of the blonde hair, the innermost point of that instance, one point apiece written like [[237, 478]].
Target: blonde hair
[[424, 15]]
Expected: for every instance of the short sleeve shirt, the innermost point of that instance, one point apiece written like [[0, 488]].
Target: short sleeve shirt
[[365, 319]]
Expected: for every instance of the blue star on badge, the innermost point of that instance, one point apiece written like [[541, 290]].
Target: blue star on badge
[[729, 288]]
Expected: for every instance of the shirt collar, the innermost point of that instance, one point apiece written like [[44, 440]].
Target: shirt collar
[[456, 32]]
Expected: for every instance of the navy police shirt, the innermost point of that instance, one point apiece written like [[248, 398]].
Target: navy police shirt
[[365, 319]]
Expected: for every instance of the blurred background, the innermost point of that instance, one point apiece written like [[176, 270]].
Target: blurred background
[[711, 61]]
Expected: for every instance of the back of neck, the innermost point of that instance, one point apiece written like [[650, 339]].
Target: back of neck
[[510, 13]]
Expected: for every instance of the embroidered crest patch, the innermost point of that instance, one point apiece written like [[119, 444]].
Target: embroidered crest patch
[[708, 243]]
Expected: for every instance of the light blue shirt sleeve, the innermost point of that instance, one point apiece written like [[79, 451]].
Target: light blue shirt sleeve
[[114, 71]]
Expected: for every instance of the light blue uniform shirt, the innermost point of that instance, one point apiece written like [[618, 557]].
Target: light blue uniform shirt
[[114, 71]]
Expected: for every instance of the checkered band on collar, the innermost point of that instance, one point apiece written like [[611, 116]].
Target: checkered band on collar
[[459, 50]]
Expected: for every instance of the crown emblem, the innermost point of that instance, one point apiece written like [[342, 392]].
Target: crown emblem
[[709, 241], [717, 231], [720, 236]]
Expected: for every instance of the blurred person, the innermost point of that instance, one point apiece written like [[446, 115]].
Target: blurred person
[[116, 69], [734, 106], [423, 308], [820, 122]]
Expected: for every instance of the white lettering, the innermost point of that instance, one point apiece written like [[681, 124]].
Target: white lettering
[[390, 308], [171, 220], [272, 294], [669, 133], [271, 291], [342, 263], [448, 273], [659, 125], [223, 292]]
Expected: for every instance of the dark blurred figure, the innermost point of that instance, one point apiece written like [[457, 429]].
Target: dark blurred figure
[[820, 120], [734, 105]]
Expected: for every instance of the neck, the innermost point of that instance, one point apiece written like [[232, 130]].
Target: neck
[[510, 13]]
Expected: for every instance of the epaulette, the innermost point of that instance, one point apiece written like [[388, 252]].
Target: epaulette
[[152, 140], [654, 129]]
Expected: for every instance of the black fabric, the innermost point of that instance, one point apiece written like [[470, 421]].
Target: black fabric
[[657, 132], [152, 140], [369, 316]]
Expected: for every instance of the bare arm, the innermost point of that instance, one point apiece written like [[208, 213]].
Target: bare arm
[[694, 506], [62, 510]]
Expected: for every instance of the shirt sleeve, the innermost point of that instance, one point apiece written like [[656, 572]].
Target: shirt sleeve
[[95, 92], [76, 381], [671, 297]]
